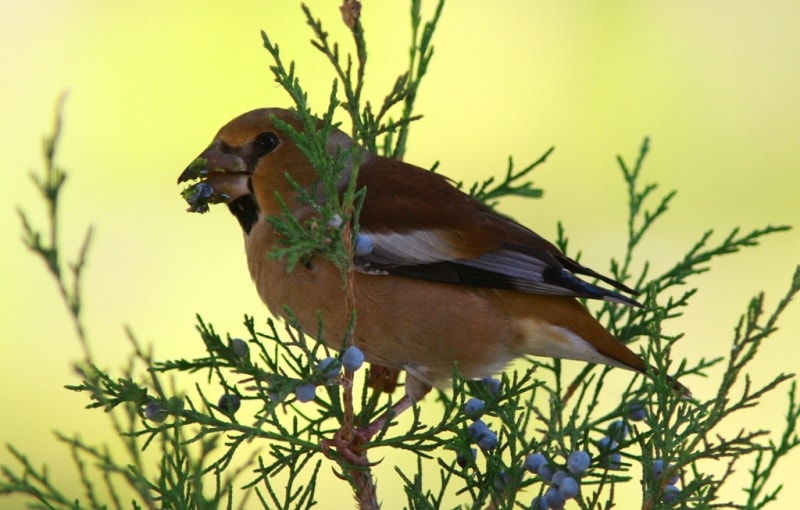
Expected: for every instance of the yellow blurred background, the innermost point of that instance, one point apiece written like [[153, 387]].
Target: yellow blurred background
[[714, 84]]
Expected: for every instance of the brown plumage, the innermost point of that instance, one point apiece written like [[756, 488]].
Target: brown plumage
[[443, 279]]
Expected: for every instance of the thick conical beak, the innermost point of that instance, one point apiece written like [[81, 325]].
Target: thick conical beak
[[213, 160], [224, 177]]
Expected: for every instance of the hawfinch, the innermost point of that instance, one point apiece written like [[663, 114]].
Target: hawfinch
[[439, 277]]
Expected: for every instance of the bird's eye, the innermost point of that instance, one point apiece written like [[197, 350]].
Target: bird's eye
[[265, 143]]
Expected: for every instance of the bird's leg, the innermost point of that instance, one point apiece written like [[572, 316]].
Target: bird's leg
[[373, 428], [382, 379], [415, 390]]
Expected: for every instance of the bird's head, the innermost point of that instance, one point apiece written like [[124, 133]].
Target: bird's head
[[247, 164]]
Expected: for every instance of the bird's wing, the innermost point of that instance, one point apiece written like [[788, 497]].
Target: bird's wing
[[415, 223]]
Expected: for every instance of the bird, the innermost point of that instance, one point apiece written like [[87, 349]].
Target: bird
[[439, 278]]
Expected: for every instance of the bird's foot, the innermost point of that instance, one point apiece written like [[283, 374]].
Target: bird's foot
[[351, 444]]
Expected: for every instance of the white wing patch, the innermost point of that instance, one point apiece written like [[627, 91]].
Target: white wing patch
[[409, 249]]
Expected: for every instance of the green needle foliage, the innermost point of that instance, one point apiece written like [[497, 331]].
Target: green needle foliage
[[248, 433]]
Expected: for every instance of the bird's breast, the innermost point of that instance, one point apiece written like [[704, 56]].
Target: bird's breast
[[419, 326]]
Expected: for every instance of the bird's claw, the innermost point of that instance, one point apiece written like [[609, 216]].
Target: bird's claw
[[350, 448]]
